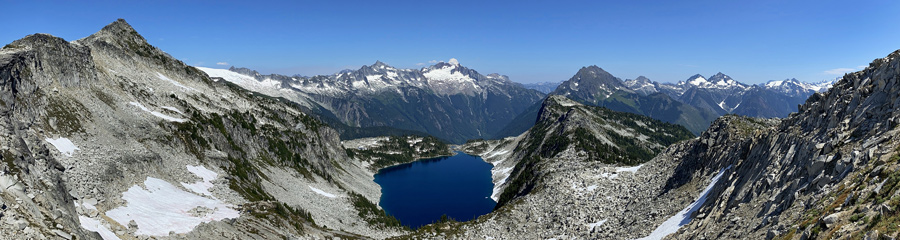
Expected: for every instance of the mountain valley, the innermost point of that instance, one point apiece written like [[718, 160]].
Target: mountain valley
[[109, 137]]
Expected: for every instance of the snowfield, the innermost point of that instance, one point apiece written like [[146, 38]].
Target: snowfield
[[63, 145], [161, 208], [95, 226], [201, 187], [446, 74], [240, 79]]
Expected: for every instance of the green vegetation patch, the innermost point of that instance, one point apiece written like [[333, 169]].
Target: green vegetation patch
[[397, 150], [67, 114], [373, 215]]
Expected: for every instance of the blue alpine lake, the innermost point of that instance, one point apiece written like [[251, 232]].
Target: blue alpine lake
[[419, 193]]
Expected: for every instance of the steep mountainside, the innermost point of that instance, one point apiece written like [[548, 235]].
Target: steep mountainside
[[592, 85], [832, 170], [446, 100], [829, 171], [109, 135], [566, 175]]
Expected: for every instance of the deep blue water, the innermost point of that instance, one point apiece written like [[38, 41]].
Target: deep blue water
[[418, 193]]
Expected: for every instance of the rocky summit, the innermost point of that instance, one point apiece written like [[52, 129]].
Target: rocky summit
[[109, 137]]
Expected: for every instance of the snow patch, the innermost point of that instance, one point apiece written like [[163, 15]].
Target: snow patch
[[504, 175], [683, 217], [63, 145], [591, 226], [496, 153], [618, 170], [447, 74], [96, 226], [172, 109], [157, 114], [163, 77], [772, 84], [373, 77], [203, 186], [632, 169], [160, 208], [323, 193], [699, 80], [392, 75], [89, 203], [413, 141]]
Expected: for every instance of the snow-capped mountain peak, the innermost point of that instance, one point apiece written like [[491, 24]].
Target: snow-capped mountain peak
[[448, 72], [641, 85], [796, 87], [381, 65], [717, 81], [697, 80], [721, 80]]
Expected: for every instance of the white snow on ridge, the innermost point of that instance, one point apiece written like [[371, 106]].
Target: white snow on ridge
[[698, 81], [241, 79], [95, 226], [722, 105], [772, 84], [63, 145], [203, 186], [371, 78], [161, 208], [163, 77], [683, 217], [447, 74], [157, 114], [323, 193]]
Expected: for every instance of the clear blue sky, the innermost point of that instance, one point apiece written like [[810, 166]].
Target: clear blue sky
[[752, 41]]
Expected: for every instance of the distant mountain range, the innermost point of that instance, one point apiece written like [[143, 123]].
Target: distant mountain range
[[544, 87], [694, 102], [594, 86], [455, 103], [446, 100], [723, 95]]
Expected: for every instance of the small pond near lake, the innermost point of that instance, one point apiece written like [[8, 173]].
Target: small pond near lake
[[420, 192]]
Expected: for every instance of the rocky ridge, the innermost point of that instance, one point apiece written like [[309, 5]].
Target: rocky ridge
[[832, 170], [97, 129], [594, 86], [557, 163], [446, 100]]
